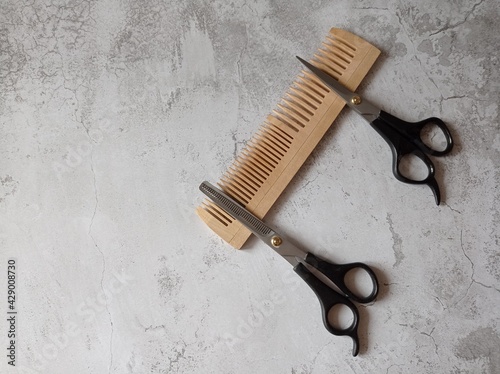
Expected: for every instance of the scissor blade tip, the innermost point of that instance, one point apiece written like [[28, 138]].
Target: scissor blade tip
[[205, 187]]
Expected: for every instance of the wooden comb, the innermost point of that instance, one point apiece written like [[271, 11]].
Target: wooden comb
[[289, 134]]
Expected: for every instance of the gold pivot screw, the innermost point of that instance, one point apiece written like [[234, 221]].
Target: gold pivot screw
[[276, 241], [356, 100]]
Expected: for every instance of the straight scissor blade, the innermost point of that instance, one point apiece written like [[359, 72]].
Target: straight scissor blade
[[353, 100], [330, 82]]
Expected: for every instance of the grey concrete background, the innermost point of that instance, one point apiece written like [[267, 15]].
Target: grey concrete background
[[113, 112]]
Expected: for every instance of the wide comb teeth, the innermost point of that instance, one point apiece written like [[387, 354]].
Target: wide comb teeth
[[289, 134], [217, 213]]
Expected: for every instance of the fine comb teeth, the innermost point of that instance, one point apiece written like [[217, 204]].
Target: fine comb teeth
[[288, 135]]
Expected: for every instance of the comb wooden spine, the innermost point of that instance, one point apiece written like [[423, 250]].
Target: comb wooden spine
[[289, 134]]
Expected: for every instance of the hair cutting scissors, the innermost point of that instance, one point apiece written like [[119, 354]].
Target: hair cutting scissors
[[306, 265], [404, 138]]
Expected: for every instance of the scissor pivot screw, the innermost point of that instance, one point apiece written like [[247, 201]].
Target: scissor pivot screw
[[276, 241], [356, 100]]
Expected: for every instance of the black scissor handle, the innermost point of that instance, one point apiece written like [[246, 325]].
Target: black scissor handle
[[393, 128], [415, 131], [329, 298], [337, 273], [404, 139]]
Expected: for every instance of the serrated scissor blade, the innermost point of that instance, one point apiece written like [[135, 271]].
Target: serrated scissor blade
[[268, 235], [254, 224]]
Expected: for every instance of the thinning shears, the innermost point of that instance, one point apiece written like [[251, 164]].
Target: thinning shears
[[404, 138], [309, 267]]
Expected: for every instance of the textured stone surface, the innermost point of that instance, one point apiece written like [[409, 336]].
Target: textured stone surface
[[113, 112]]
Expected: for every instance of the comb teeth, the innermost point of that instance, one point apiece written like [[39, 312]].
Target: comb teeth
[[233, 208], [334, 56], [288, 135], [217, 213]]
